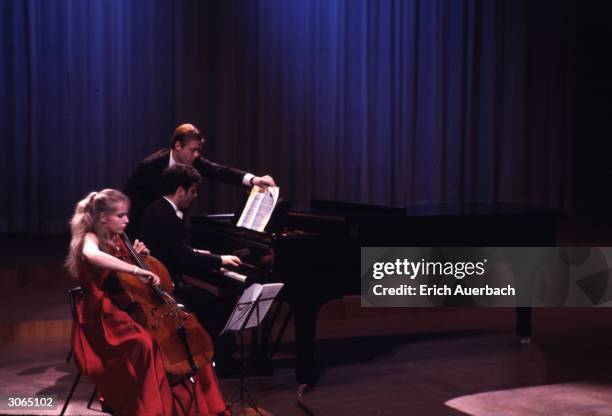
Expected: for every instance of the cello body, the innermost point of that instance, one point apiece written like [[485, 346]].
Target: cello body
[[184, 344]]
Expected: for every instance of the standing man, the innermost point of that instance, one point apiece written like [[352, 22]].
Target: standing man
[[143, 186]]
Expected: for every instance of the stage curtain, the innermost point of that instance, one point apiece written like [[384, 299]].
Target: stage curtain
[[384, 102]]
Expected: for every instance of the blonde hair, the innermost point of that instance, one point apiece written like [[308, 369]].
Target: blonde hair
[[86, 219]]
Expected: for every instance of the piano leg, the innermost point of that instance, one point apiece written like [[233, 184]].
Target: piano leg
[[523, 324], [305, 319]]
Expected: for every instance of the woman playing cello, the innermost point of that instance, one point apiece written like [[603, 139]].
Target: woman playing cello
[[120, 357]]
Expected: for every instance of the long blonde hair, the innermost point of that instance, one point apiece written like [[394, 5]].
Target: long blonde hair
[[86, 219]]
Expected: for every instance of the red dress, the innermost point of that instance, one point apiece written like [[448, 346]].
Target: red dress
[[125, 364]]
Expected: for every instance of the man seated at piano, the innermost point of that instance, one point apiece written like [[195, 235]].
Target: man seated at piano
[[163, 229], [143, 185]]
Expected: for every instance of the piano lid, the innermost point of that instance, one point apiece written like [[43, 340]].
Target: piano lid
[[351, 209]]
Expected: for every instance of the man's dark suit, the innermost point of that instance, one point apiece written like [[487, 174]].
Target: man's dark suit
[[164, 234], [144, 185]]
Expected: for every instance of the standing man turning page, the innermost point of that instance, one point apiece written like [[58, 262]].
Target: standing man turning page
[[143, 186]]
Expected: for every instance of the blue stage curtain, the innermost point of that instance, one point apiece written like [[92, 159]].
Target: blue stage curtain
[[87, 90], [383, 102]]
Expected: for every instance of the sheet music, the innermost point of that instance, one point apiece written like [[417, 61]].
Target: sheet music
[[259, 207], [268, 293], [247, 303], [242, 308]]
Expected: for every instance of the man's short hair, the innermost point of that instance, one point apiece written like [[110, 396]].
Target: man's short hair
[[184, 134], [179, 175]]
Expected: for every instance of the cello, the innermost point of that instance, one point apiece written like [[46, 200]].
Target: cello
[[184, 344]]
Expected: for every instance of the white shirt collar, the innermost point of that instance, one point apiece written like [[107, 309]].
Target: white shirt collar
[[171, 162], [177, 211]]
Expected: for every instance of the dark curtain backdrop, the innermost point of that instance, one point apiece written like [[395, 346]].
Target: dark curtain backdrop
[[383, 102]]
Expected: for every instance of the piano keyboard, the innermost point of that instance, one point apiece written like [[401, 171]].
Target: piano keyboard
[[233, 275]]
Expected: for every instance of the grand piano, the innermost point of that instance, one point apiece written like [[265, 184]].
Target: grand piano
[[316, 253]]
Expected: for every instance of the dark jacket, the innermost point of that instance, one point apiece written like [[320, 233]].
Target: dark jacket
[[144, 184], [165, 236]]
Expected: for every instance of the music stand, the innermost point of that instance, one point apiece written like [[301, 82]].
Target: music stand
[[242, 318]]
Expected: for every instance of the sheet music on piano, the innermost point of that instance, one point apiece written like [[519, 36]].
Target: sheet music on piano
[[259, 207]]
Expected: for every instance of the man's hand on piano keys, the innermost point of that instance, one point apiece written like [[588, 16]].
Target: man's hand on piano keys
[[229, 260]]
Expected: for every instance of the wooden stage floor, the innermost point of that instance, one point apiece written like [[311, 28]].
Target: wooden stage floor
[[443, 362]]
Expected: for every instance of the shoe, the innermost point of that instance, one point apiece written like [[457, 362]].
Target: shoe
[[104, 406], [302, 389]]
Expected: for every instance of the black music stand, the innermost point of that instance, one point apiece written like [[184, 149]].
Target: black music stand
[[242, 318]]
